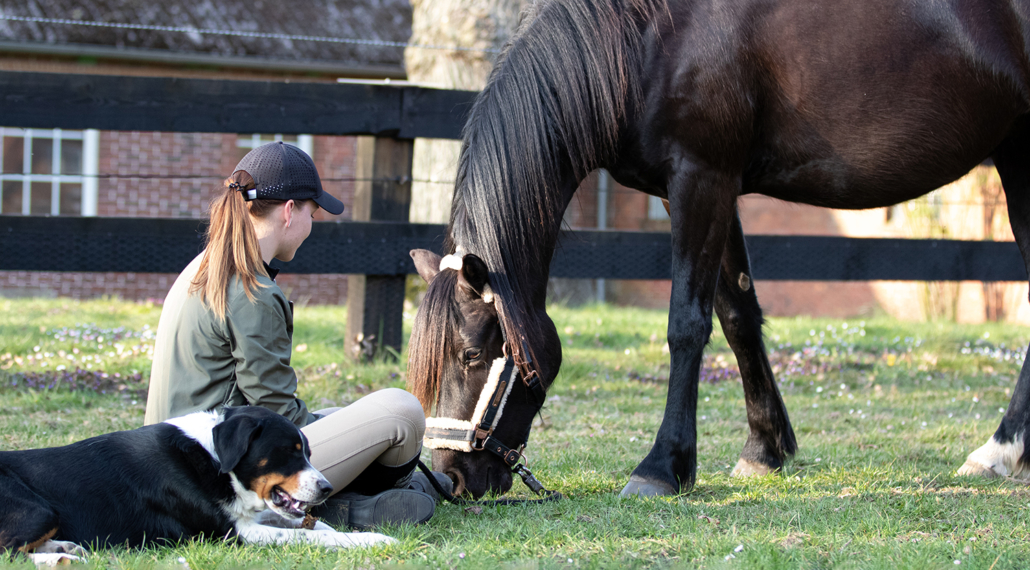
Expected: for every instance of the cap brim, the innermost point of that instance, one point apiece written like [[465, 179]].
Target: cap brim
[[329, 203]]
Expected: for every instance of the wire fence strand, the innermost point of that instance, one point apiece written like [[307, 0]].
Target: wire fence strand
[[239, 33]]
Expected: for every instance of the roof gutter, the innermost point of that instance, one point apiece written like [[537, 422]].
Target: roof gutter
[[140, 55]]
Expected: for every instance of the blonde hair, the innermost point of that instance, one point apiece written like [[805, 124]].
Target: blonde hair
[[232, 245]]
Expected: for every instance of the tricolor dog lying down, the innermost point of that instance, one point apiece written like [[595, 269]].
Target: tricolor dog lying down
[[239, 472]]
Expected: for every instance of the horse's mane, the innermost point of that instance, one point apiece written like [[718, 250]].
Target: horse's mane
[[551, 110], [554, 101], [430, 340]]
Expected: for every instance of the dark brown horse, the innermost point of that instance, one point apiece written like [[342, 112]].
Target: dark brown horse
[[838, 103]]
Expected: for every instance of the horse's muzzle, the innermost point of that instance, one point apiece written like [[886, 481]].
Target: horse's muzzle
[[474, 474]]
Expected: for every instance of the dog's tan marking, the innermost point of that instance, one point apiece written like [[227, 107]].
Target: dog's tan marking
[[298, 447], [263, 485], [263, 462], [37, 543]]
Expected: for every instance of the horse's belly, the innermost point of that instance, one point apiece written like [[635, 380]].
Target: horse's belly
[[900, 105], [883, 152]]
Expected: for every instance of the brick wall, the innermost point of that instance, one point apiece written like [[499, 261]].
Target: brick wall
[[175, 175], [162, 175], [136, 286]]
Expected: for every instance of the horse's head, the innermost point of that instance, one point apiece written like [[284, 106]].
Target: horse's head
[[455, 342]]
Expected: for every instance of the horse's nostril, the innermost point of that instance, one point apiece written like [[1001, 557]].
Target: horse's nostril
[[459, 481]]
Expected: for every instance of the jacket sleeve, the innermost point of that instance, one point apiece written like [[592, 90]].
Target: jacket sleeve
[[261, 346]]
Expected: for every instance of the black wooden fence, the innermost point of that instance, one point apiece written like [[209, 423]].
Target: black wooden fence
[[374, 248]]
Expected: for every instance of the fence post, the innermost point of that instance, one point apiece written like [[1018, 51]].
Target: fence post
[[382, 192]]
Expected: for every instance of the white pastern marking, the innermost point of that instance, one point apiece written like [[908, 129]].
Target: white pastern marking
[[1002, 458], [199, 427], [253, 533]]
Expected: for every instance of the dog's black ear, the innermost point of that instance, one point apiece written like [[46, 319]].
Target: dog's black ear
[[233, 437]]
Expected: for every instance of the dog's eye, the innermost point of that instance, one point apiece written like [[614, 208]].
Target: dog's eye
[[472, 354]]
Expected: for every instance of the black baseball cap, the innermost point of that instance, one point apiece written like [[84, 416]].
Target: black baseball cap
[[284, 172]]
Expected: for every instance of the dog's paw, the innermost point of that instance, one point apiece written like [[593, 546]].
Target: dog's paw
[[61, 547], [334, 539], [53, 559]]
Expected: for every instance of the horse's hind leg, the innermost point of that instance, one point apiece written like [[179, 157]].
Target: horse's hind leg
[[1006, 453], [771, 438]]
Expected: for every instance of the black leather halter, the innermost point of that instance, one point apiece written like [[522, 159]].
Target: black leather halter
[[464, 435]]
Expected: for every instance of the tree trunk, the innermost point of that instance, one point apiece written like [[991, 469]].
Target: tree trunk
[[481, 26]]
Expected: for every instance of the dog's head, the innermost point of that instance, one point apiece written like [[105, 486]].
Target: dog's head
[[269, 457]]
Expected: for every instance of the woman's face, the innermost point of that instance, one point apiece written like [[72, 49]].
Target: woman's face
[[300, 215]]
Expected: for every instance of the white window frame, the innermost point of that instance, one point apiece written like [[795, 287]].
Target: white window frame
[[305, 143], [656, 209], [87, 180]]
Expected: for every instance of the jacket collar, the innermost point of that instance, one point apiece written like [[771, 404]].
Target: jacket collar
[[272, 272]]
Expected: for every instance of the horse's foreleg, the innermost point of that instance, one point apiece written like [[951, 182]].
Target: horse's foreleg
[[702, 207], [771, 438], [1006, 453]]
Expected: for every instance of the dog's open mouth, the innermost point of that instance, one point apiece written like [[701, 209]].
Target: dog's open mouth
[[287, 504]]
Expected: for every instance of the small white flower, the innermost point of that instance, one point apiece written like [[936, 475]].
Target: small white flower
[[739, 548]]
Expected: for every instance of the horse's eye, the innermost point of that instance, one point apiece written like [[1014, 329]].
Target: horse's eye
[[472, 354]]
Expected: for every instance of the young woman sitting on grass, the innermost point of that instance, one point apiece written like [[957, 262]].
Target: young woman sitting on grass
[[226, 335]]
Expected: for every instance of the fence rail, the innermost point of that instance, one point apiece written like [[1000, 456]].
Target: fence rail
[[381, 248], [69, 101]]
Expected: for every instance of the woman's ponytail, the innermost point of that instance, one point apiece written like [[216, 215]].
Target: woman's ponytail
[[232, 245]]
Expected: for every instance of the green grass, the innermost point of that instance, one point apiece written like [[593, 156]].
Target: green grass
[[884, 413]]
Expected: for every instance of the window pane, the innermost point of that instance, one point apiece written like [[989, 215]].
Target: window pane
[[14, 152], [42, 154], [11, 203], [71, 199], [40, 197], [71, 158]]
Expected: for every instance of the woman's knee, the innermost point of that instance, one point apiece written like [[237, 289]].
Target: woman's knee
[[405, 406]]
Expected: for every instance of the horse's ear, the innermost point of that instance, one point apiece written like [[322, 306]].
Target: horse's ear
[[473, 275], [427, 263]]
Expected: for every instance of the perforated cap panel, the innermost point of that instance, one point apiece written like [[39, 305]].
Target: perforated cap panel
[[284, 172]]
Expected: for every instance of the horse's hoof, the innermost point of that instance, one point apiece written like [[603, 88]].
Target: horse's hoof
[[747, 468], [973, 468], [640, 487]]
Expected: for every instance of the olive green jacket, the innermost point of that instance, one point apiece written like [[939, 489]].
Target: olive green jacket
[[202, 363]]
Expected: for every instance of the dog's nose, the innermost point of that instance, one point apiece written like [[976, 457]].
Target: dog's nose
[[324, 489]]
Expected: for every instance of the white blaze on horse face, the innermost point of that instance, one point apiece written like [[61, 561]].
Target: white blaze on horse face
[[997, 458]]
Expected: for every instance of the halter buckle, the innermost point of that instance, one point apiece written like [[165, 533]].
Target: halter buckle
[[511, 457], [479, 438]]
